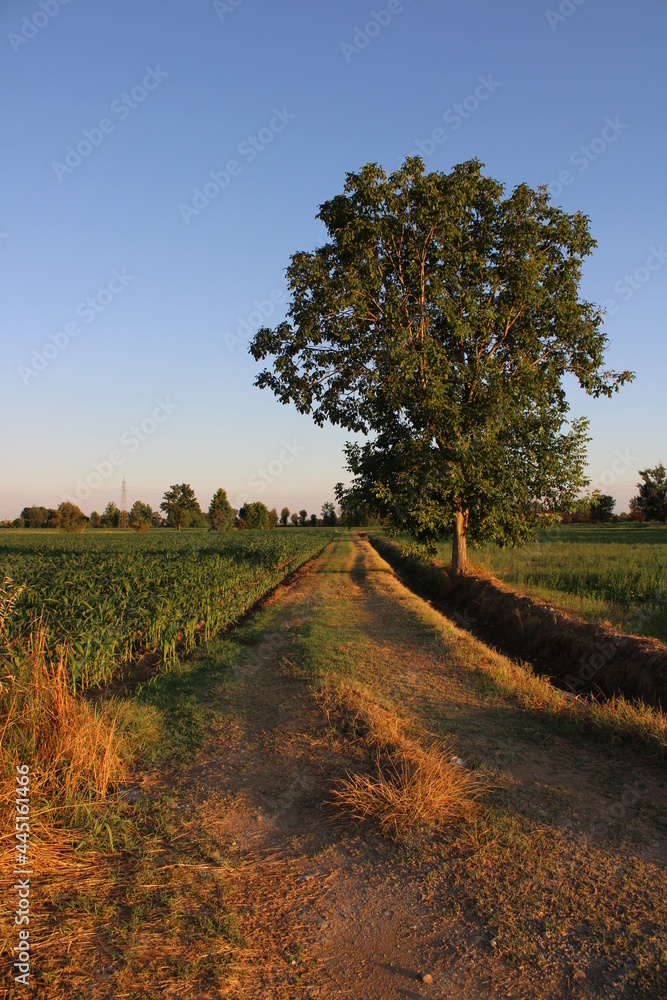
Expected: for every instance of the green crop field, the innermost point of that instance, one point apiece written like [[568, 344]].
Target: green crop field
[[113, 595], [615, 572]]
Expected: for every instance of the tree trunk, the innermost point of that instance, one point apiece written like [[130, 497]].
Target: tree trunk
[[459, 547]]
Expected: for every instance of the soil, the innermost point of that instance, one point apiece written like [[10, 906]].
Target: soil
[[330, 911]]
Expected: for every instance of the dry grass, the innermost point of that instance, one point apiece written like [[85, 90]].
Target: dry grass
[[74, 749], [77, 754], [409, 786]]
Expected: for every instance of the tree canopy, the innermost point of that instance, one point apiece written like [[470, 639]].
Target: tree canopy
[[110, 517], [329, 517], [651, 502], [181, 506], [69, 517], [141, 516], [221, 514], [601, 506], [34, 517], [440, 319], [255, 515]]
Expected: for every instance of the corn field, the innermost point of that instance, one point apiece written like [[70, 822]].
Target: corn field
[[111, 597]]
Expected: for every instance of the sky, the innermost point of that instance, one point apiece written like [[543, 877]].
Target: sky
[[163, 159]]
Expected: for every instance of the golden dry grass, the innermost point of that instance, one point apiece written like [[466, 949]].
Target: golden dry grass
[[77, 754], [409, 786], [73, 748]]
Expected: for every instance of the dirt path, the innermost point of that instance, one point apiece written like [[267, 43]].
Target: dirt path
[[551, 895]]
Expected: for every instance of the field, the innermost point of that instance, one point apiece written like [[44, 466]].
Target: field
[[616, 573], [112, 596], [345, 795]]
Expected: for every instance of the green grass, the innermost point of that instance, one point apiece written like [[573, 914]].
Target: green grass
[[616, 573], [111, 596]]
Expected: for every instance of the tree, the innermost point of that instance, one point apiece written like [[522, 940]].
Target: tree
[[69, 517], [303, 517], [221, 514], [94, 520], [602, 506], [181, 507], [34, 517], [273, 518], [329, 515], [354, 511], [651, 502], [295, 519], [284, 517], [255, 515], [141, 516], [111, 516], [440, 320], [312, 521]]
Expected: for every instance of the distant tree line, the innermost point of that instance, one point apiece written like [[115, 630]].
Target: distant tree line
[[650, 504], [179, 509]]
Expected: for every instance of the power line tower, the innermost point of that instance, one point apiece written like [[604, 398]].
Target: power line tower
[[124, 519]]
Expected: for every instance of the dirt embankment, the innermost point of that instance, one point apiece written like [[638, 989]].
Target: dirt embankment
[[580, 656]]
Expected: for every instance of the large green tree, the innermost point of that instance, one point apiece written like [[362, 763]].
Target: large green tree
[[110, 517], [221, 514], [651, 501], [255, 515], [34, 517], [181, 506], [602, 506], [440, 319], [69, 517], [141, 516], [329, 517]]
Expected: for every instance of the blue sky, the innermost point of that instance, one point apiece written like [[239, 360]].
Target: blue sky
[[120, 306]]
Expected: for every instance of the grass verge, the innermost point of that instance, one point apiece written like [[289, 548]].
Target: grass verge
[[614, 718]]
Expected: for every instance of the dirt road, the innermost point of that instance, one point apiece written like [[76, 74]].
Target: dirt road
[[545, 897], [225, 870]]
